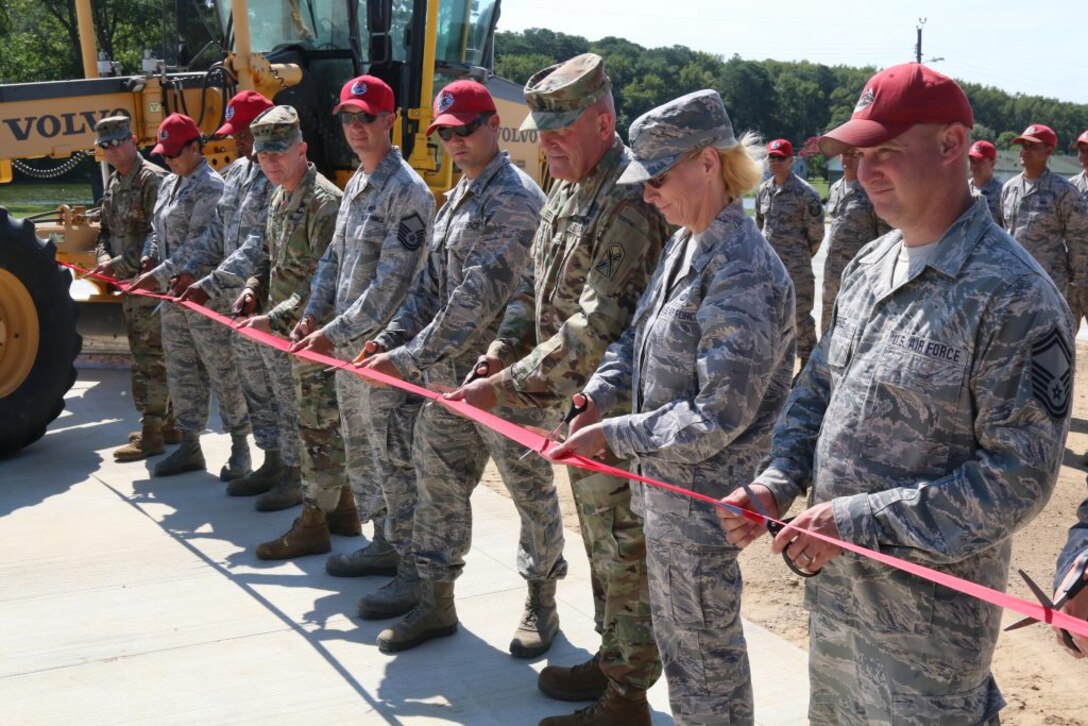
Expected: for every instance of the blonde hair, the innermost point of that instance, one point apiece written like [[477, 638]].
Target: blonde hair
[[742, 165]]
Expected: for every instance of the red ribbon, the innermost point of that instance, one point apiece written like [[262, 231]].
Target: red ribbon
[[538, 442]]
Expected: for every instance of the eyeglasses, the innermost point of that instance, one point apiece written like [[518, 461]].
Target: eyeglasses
[[448, 132], [658, 181], [112, 142], [347, 118]]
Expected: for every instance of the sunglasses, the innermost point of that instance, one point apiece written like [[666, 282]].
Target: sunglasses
[[448, 132], [658, 181], [113, 142], [347, 118]]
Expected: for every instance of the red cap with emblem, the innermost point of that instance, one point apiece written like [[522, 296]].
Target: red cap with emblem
[[241, 110], [983, 150], [175, 131], [896, 99], [369, 93], [1082, 140], [780, 148], [459, 103], [1038, 133]]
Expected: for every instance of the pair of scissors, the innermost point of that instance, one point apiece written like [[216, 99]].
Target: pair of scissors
[[578, 404], [774, 528], [1068, 595]]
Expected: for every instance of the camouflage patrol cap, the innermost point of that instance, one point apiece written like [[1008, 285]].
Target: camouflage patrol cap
[[276, 129], [114, 128], [557, 95], [662, 136]]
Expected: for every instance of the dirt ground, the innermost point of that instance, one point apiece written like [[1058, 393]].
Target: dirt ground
[[1041, 683]]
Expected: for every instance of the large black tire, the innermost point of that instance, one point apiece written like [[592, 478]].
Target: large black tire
[[30, 277]]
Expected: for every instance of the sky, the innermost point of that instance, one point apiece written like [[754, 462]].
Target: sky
[[1020, 47]]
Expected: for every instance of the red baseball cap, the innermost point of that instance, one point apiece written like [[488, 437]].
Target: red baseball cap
[[1082, 140], [780, 148], [894, 100], [371, 94], [1040, 133], [175, 131], [459, 103], [241, 110], [983, 150]]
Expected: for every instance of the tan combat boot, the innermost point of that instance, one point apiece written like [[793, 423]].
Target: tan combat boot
[[539, 623], [434, 617], [286, 492], [309, 535], [344, 520], [394, 598], [261, 480], [239, 463], [377, 558], [613, 709], [187, 457], [583, 682], [147, 442], [170, 432]]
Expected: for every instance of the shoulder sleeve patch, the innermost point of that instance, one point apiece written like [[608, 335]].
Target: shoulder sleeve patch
[[815, 208], [410, 232], [1052, 374], [609, 264]]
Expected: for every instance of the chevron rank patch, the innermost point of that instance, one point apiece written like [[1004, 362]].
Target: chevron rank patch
[[1052, 374], [410, 232]]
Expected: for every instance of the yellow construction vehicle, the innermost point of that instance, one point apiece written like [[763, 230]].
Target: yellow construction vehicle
[[297, 52]]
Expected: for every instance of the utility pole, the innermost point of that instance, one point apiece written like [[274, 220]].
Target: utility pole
[[918, 45]]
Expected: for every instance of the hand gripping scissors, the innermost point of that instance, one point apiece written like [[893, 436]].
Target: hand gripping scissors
[[1068, 595], [774, 528]]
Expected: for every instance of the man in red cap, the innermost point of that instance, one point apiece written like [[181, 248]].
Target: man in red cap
[[930, 423], [199, 357], [791, 217], [237, 249], [365, 273], [471, 273], [981, 159], [1080, 181], [1047, 215]]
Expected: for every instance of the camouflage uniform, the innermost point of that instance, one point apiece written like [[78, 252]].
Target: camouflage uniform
[[1049, 218], [198, 350], [127, 206], [933, 417], [242, 212], [298, 230], [703, 371], [791, 217], [853, 225], [481, 247], [1078, 298], [592, 254], [991, 190], [381, 234]]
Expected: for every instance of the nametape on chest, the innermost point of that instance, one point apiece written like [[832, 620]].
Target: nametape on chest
[[609, 264], [410, 232], [1052, 374], [933, 349]]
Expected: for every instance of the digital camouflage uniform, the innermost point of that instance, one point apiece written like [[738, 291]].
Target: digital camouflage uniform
[[1075, 551], [127, 206], [298, 230], [199, 358], [381, 235], [1078, 302], [853, 225], [1050, 219], [242, 212], [991, 191], [595, 248], [701, 373], [791, 218], [479, 251], [933, 417]]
